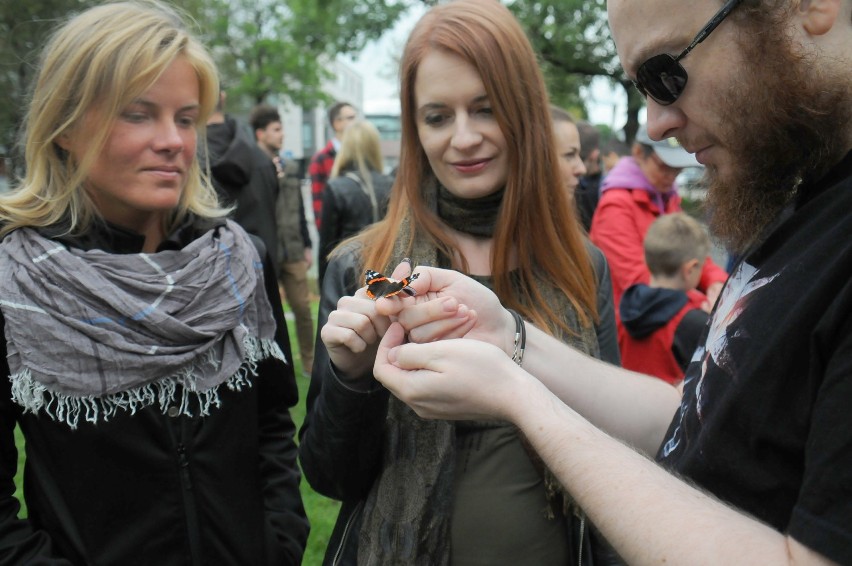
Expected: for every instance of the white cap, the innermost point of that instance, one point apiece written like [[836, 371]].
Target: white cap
[[669, 150]]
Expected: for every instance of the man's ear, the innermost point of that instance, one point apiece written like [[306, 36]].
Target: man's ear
[[818, 16]]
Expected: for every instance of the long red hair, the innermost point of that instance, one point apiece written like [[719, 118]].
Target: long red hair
[[536, 216]]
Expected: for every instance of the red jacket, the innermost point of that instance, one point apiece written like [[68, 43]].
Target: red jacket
[[646, 340], [618, 228]]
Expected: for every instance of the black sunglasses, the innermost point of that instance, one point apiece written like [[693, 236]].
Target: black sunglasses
[[662, 77]]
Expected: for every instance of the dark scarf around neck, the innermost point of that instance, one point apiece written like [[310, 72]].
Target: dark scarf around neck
[[406, 518], [476, 216]]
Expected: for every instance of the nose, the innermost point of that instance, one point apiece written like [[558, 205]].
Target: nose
[[465, 135], [664, 121], [169, 137], [579, 167]]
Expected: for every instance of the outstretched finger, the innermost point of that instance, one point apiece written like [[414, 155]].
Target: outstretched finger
[[402, 270], [431, 280], [425, 311], [453, 326], [390, 306]]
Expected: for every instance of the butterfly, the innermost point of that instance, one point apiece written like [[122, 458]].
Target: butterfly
[[379, 286]]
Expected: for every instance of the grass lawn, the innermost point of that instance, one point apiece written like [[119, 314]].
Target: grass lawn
[[321, 511]]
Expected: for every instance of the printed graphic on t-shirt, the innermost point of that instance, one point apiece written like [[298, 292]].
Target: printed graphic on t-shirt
[[734, 300]]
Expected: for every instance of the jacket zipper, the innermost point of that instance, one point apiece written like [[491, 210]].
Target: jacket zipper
[[191, 513], [346, 530], [582, 532]]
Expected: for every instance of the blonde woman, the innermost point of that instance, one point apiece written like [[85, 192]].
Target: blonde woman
[[357, 194], [144, 351]]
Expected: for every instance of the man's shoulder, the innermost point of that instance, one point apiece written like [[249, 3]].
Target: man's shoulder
[[623, 197], [324, 154]]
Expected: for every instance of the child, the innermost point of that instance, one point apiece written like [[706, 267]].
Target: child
[[661, 324]]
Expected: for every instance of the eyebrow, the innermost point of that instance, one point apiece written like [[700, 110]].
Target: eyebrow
[[437, 105], [656, 47], [149, 104]]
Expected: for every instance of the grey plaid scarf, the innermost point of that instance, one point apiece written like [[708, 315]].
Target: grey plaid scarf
[[90, 332]]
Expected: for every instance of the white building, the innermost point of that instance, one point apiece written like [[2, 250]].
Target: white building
[[384, 114], [307, 130]]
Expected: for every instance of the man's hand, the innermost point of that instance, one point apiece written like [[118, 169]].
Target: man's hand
[[449, 305], [453, 379]]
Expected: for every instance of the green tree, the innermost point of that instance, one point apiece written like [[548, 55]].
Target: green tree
[[574, 44], [24, 27], [274, 48]]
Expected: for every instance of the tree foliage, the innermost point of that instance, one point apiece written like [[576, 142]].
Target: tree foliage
[[274, 48], [280, 49], [24, 27], [263, 48], [574, 43]]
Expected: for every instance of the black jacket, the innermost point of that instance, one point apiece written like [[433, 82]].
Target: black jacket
[[347, 209], [151, 489], [245, 177], [586, 197], [341, 438]]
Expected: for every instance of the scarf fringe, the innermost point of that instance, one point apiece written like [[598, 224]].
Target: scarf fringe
[[34, 396]]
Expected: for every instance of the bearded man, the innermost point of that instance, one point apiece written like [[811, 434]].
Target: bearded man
[[754, 460]]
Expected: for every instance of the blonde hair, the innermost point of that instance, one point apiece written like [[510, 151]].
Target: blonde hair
[[360, 150], [93, 67], [672, 240]]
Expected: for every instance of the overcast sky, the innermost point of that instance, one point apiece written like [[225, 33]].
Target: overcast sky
[[376, 65]]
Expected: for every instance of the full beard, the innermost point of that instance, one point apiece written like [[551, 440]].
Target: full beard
[[792, 125]]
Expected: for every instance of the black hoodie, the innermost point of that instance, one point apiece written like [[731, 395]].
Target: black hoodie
[[644, 309], [245, 177]]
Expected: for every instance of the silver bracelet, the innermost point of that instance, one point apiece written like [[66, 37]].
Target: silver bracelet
[[520, 337]]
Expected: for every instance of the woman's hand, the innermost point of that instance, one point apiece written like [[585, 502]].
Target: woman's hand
[[352, 333], [353, 330], [449, 305]]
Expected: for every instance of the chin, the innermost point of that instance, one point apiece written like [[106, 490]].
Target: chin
[[163, 205], [474, 190]]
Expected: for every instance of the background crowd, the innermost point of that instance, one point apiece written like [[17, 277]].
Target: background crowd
[[555, 318]]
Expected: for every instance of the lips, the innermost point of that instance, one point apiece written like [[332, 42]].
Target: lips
[[471, 165], [165, 169], [703, 154], [165, 172]]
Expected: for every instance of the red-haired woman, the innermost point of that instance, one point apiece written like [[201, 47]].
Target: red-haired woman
[[478, 190]]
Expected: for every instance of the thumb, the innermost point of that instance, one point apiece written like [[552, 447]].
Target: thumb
[[395, 336]]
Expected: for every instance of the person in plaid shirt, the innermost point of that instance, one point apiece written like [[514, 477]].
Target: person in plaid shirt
[[340, 115]]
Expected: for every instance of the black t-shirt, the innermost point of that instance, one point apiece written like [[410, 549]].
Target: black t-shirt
[[766, 418]]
